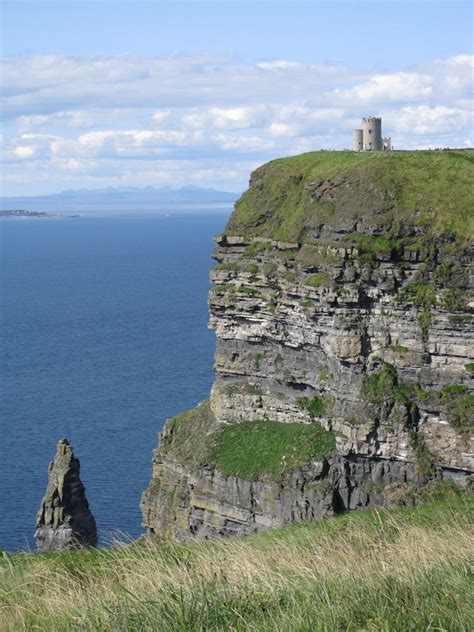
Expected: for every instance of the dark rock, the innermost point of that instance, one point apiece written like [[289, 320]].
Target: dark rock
[[64, 520]]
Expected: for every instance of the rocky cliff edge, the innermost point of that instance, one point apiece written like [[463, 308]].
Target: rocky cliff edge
[[343, 310]]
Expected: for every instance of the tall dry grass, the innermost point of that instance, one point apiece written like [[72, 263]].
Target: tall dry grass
[[404, 570]]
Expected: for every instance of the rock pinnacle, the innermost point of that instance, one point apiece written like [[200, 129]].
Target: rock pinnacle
[[64, 520]]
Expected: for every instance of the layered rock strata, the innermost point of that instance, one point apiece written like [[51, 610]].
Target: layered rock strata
[[64, 520], [344, 301]]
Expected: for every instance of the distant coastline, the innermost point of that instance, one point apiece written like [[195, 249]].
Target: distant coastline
[[128, 200], [22, 213]]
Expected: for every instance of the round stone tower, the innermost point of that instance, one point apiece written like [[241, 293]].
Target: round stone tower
[[372, 134], [357, 140]]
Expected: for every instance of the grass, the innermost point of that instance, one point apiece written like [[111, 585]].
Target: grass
[[418, 294], [372, 244], [398, 348], [250, 450], [252, 389], [461, 413], [314, 255], [318, 279], [455, 300], [256, 248], [227, 266], [424, 458], [185, 439], [315, 406], [366, 259], [248, 291], [288, 198], [451, 391], [252, 268], [382, 387], [323, 373], [377, 571]]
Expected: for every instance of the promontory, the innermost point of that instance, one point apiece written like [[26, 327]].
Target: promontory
[[342, 306]]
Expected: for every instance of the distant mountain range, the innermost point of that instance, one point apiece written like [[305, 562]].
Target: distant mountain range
[[120, 198]]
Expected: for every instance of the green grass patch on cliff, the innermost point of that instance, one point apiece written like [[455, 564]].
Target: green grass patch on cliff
[[418, 294], [248, 449], [383, 387], [319, 279], [290, 198], [251, 449], [380, 570], [315, 406]]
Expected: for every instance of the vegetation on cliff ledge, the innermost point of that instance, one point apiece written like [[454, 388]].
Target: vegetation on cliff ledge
[[292, 198], [251, 449], [247, 450], [388, 571]]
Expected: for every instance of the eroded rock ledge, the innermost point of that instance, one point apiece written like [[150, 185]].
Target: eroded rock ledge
[[343, 299]]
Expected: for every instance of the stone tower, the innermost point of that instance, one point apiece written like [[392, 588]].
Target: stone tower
[[357, 140], [372, 133], [369, 138], [64, 520]]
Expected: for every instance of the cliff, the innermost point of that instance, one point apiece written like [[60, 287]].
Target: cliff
[[64, 520], [344, 358]]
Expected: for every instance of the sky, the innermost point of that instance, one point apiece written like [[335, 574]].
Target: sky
[[158, 93]]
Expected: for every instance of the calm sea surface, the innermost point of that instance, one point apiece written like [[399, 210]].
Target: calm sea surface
[[103, 336]]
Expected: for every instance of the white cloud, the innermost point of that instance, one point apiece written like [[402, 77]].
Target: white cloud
[[279, 65], [24, 151], [227, 118], [124, 143], [425, 121], [161, 115], [379, 89], [454, 76], [195, 118], [243, 143], [72, 119], [48, 84]]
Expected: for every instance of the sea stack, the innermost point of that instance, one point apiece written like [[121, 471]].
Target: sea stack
[[64, 520]]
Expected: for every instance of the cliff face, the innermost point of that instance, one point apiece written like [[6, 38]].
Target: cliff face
[[342, 308]]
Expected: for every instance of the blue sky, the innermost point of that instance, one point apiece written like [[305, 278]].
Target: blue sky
[[149, 93]]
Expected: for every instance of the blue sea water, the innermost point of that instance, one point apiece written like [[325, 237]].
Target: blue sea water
[[103, 336]]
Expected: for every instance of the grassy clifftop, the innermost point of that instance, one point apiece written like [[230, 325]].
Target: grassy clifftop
[[399, 193]]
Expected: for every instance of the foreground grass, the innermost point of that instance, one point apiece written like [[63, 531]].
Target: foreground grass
[[379, 570]]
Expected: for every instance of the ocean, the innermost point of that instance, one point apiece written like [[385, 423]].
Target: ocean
[[103, 336]]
